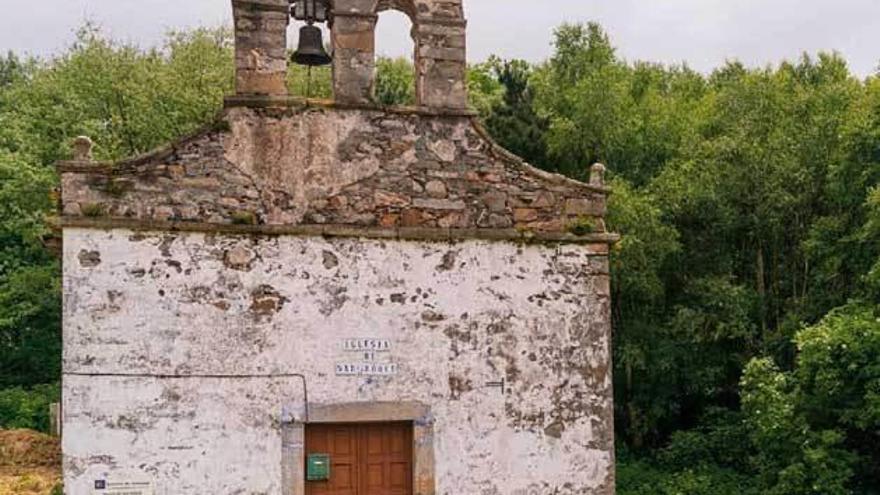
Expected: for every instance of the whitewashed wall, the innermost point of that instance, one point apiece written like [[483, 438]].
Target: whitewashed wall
[[457, 316]]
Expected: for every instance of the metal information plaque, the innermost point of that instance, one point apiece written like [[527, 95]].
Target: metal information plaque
[[105, 487]]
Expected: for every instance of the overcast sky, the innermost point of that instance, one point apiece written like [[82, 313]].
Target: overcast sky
[[702, 33]]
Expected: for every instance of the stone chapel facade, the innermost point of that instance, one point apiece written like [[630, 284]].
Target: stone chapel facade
[[312, 297]]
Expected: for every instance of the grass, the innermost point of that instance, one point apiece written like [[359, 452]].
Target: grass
[[32, 480], [30, 463]]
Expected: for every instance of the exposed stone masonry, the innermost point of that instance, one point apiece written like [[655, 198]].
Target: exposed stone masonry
[[261, 46], [323, 165]]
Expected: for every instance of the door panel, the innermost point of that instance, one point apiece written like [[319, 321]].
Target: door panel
[[365, 459], [340, 441], [388, 459], [399, 475]]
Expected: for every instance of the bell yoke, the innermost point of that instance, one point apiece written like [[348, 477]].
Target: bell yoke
[[311, 51]]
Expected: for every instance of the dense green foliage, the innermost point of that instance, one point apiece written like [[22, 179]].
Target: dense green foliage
[[748, 202], [395, 82], [27, 408], [510, 112], [745, 289]]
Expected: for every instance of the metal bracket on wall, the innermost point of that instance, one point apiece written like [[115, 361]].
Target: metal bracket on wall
[[499, 384]]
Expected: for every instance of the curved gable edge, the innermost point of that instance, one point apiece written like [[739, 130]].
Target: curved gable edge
[[320, 168]]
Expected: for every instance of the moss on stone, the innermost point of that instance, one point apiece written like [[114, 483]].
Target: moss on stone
[[93, 210], [582, 226], [244, 218]]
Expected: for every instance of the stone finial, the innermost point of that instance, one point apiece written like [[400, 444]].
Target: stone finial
[[597, 175], [82, 148]]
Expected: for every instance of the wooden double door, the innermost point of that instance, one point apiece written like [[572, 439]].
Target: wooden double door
[[365, 459]]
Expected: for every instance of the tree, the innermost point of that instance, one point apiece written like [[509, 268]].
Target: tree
[[11, 69], [30, 324], [513, 121], [838, 377], [129, 100], [815, 430], [395, 81]]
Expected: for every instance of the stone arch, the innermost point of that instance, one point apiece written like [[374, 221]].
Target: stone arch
[[392, 22], [408, 7], [439, 56]]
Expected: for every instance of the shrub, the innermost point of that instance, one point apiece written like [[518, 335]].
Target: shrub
[[27, 408], [650, 477]]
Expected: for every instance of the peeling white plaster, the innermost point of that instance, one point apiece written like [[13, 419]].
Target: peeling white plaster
[[458, 316]]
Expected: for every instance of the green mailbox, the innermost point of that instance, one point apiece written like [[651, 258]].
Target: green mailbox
[[318, 467]]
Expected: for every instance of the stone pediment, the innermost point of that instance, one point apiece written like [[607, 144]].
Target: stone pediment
[[288, 164]]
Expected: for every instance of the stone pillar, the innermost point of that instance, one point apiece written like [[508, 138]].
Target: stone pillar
[[293, 459], [261, 46], [354, 46], [441, 63], [423, 456]]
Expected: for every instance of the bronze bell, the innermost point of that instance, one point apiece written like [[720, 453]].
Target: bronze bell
[[311, 50]]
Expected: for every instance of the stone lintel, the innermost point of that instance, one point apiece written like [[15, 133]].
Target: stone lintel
[[370, 412], [268, 101], [264, 5]]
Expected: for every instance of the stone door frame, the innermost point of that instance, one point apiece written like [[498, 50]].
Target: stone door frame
[[293, 479]]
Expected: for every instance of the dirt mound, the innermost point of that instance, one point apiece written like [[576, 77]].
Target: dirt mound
[[30, 481], [26, 448]]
